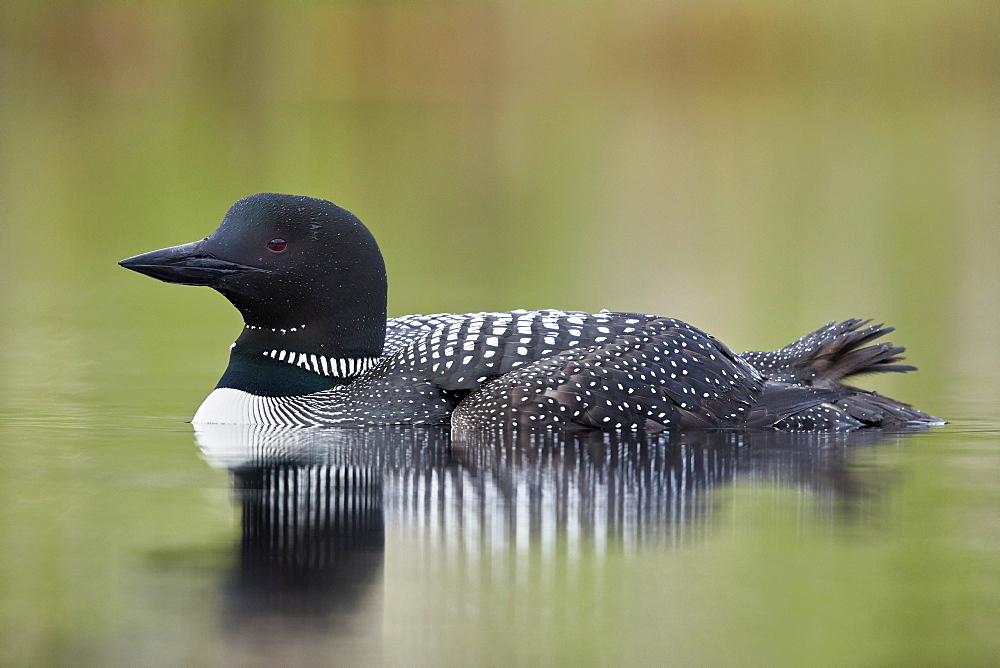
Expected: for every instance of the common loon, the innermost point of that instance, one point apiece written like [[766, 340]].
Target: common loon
[[317, 349]]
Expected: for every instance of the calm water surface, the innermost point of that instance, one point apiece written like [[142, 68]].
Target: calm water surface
[[146, 543]]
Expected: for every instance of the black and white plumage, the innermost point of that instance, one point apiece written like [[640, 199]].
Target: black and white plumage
[[318, 350]]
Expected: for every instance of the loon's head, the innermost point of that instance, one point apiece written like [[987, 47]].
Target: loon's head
[[306, 274]]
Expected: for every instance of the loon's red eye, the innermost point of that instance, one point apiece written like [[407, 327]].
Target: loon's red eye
[[277, 245]]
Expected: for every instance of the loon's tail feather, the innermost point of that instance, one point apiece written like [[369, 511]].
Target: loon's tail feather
[[833, 352], [846, 353]]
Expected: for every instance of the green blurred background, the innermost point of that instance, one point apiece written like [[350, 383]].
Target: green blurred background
[[754, 168]]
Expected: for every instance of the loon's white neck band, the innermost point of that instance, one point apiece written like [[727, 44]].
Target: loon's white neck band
[[336, 367]]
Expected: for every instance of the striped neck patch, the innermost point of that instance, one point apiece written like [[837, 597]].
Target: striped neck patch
[[337, 367]]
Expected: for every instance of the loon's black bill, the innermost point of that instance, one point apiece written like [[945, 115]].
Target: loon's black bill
[[187, 264]]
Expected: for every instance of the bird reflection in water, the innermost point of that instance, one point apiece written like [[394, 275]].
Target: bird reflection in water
[[316, 502], [313, 536]]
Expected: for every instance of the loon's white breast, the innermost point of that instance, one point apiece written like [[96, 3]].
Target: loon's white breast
[[226, 405]]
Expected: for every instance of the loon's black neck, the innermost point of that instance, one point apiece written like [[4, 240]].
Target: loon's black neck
[[336, 337], [266, 377], [294, 358]]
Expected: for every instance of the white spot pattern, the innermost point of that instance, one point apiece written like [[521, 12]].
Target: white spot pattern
[[553, 369]]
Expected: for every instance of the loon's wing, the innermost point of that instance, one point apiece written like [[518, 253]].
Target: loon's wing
[[468, 349], [434, 361], [427, 376], [661, 374]]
